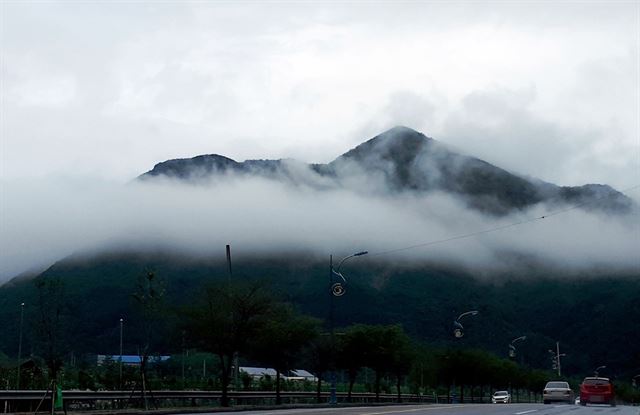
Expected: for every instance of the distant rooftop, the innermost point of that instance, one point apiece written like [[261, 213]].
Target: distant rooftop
[[130, 359]]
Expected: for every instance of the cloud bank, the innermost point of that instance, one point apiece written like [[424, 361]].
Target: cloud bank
[[44, 221]]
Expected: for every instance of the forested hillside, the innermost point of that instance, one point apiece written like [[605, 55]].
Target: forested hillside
[[595, 317]]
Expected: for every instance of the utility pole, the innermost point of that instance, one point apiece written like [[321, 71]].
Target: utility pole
[[183, 358], [120, 359], [558, 357], [336, 290], [332, 389], [229, 261], [20, 346], [236, 368]]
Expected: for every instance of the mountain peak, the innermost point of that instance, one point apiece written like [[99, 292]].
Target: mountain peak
[[399, 143], [400, 135], [400, 131]]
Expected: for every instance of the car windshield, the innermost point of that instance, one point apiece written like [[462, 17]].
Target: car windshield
[[563, 385], [501, 393]]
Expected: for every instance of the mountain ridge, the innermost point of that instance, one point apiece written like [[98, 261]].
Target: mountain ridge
[[404, 160]]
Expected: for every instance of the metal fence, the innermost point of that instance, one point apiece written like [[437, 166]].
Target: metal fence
[[28, 400]]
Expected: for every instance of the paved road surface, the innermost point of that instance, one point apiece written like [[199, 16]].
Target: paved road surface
[[467, 409]]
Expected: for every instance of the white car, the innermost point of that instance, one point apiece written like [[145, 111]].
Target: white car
[[557, 391], [501, 397]]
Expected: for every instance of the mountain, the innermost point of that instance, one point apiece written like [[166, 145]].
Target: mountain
[[592, 312], [404, 160]]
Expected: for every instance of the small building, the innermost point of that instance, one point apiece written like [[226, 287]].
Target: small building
[[258, 373], [301, 374], [129, 360]]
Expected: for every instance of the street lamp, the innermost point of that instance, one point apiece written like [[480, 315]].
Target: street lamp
[[457, 326], [337, 288], [120, 359], [595, 372], [555, 358], [512, 347], [20, 346]]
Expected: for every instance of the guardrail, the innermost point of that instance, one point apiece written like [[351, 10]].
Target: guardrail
[[28, 400]]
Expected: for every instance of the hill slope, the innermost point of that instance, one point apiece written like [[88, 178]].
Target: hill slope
[[594, 319]]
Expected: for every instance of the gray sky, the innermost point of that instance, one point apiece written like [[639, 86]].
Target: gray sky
[[95, 93], [107, 89]]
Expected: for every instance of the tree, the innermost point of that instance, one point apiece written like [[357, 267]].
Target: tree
[[402, 354], [352, 349], [225, 320], [319, 354], [423, 370], [389, 351], [149, 297], [281, 340], [49, 327]]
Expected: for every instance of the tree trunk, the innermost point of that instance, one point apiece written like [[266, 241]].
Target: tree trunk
[[461, 393], [224, 381], [143, 370], [398, 378], [319, 388], [378, 376], [278, 398], [351, 382], [144, 392]]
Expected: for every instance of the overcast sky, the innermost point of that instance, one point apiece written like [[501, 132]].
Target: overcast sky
[[95, 93], [108, 89]]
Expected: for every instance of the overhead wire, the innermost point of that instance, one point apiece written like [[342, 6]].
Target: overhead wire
[[497, 228]]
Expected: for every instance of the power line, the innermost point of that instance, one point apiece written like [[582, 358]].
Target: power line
[[497, 228]]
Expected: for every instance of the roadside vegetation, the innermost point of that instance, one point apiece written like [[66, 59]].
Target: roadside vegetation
[[236, 324]]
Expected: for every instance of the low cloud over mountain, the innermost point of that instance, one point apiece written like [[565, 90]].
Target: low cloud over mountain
[[402, 160], [398, 190]]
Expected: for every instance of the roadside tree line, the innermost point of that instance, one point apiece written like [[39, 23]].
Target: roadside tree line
[[244, 323]]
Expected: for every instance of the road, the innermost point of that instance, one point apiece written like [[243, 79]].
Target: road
[[466, 409]]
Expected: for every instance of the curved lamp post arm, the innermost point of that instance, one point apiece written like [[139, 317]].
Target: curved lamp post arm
[[337, 269], [517, 339], [512, 347], [468, 313]]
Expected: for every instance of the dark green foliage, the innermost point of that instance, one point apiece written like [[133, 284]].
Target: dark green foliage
[[52, 339], [149, 300], [593, 317], [225, 320], [281, 339]]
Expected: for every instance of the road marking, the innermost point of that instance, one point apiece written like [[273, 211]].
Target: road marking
[[414, 410], [526, 412]]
